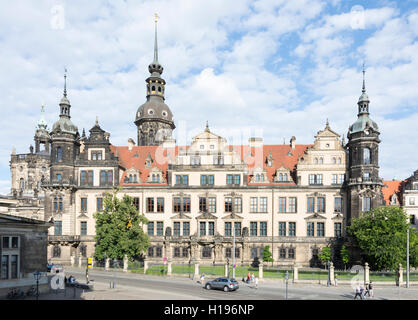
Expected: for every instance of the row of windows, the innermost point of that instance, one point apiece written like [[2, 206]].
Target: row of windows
[[87, 178], [334, 160], [58, 228], [286, 229], [205, 180]]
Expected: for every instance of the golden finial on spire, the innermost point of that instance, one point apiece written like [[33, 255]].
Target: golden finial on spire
[[156, 17]]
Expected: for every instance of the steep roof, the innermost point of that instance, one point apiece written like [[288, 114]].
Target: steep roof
[[392, 187]]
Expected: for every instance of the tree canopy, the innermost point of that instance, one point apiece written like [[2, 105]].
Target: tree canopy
[[119, 229], [381, 236], [267, 256], [325, 254]]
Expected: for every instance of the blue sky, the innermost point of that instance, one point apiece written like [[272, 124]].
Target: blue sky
[[274, 69]]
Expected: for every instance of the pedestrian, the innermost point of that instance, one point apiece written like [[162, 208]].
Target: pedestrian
[[335, 279], [248, 277], [370, 289], [256, 282], [358, 292], [367, 290], [362, 292], [252, 277], [202, 279]]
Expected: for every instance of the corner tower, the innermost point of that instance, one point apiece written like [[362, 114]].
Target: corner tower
[[364, 184], [154, 119]]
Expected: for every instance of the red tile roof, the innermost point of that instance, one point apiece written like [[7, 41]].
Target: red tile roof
[[282, 156], [392, 187]]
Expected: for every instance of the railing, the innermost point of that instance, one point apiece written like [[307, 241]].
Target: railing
[[65, 238]]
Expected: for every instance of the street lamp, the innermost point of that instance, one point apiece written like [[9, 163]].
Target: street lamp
[[286, 277], [329, 274], [37, 275], [407, 258], [233, 254]]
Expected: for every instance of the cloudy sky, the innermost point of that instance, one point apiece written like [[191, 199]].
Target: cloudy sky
[[267, 68]]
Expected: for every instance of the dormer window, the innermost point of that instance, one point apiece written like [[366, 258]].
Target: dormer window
[[96, 155]]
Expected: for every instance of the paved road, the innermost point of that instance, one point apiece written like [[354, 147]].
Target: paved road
[[137, 286]]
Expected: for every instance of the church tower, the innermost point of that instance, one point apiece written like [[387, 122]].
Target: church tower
[[154, 119], [41, 135], [65, 149], [364, 184]]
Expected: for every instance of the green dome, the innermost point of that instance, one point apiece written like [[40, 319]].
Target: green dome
[[362, 122], [65, 125]]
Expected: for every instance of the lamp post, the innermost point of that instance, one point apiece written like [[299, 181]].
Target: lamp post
[[329, 274], [407, 258], [37, 275], [233, 253], [286, 277]]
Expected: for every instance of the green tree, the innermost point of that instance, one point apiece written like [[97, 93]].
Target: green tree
[[267, 256], [325, 254], [345, 256], [381, 236], [119, 229]]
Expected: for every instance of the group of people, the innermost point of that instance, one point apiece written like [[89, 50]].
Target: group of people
[[251, 278], [361, 292], [70, 279]]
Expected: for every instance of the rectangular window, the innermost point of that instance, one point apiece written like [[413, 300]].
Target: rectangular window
[[229, 179], [253, 229], [320, 229], [237, 179], [58, 228], [263, 229], [282, 229], [202, 228], [337, 229], [178, 179], [160, 205], [228, 204], [6, 242], [176, 230], [228, 229], [334, 179], [411, 201], [182, 179], [176, 204], [237, 227], [110, 177], [237, 252], [338, 204], [185, 252], [203, 180], [160, 228], [319, 179], [282, 205], [150, 204], [211, 228], [13, 266], [228, 253], [158, 251], [211, 180], [341, 178], [310, 231], [186, 228], [99, 204], [103, 177], [263, 204], [253, 204], [15, 242], [90, 181], [176, 252], [292, 229], [202, 204], [83, 228], [321, 204], [83, 177], [315, 179], [83, 204], [292, 205], [185, 180], [212, 205], [151, 228], [4, 267], [136, 203], [311, 204], [238, 205], [367, 203], [186, 204]]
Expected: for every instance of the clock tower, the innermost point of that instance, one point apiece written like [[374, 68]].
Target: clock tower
[[364, 184]]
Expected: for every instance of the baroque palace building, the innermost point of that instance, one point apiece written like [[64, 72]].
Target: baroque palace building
[[295, 198]]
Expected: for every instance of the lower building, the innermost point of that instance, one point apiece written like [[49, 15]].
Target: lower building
[[23, 251]]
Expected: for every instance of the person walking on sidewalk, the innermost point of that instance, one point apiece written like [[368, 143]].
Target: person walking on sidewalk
[[358, 292], [256, 282]]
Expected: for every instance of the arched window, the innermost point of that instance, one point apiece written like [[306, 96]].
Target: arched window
[[60, 204], [135, 179], [262, 177], [366, 156], [153, 89], [55, 204], [59, 154], [316, 161], [281, 177], [334, 161], [159, 89], [130, 178], [321, 160], [339, 160], [56, 251], [257, 177], [22, 183], [285, 177]]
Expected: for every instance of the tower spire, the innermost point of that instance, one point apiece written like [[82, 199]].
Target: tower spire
[[364, 80], [155, 40], [65, 82]]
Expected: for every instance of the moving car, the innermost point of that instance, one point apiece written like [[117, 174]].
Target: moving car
[[225, 284], [55, 268]]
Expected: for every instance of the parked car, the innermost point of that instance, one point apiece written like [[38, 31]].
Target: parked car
[[225, 284], [55, 268]]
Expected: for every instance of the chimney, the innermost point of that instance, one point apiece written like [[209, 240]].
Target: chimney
[[255, 142], [131, 144], [293, 142]]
